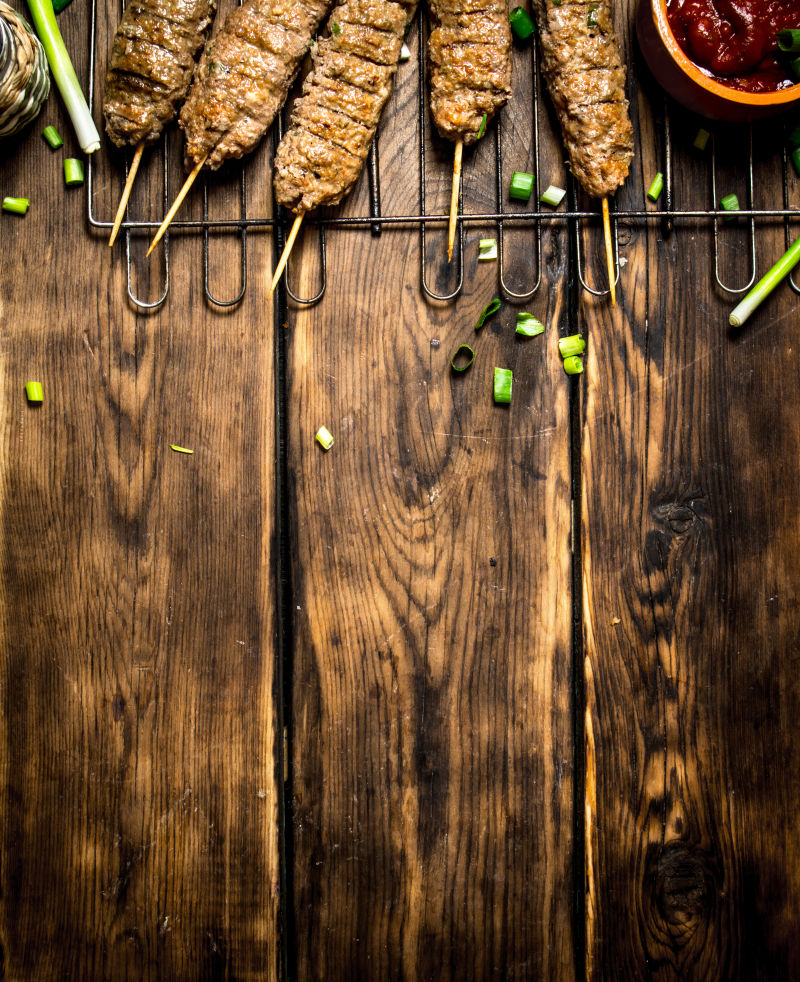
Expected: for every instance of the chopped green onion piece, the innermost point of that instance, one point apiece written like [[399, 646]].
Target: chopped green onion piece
[[701, 140], [766, 285], [324, 438], [487, 249], [405, 53], [729, 203], [591, 17], [789, 39], [503, 380], [573, 365], [73, 172], [463, 358], [572, 345], [34, 391], [51, 134], [655, 189], [336, 28], [553, 196], [521, 23], [177, 449], [521, 185], [793, 139], [44, 20], [796, 160], [488, 311], [528, 325], [59, 5], [16, 205], [482, 128]]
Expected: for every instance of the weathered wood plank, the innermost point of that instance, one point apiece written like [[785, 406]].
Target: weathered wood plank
[[432, 734], [139, 794], [690, 468]]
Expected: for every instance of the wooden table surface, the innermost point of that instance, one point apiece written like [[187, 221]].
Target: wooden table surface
[[482, 693]]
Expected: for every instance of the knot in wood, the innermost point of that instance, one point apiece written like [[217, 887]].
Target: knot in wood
[[681, 890]]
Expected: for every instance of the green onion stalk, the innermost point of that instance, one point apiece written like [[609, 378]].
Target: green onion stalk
[[44, 20], [766, 285]]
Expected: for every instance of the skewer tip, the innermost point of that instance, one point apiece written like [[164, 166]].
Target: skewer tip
[[451, 230], [126, 193], [287, 250], [177, 203], [612, 278]]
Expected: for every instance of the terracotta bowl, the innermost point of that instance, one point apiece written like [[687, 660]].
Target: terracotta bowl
[[684, 81]]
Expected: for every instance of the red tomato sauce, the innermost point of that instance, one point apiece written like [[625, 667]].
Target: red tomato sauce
[[736, 41]]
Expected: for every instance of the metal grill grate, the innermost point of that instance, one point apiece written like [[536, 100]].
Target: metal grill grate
[[577, 220]]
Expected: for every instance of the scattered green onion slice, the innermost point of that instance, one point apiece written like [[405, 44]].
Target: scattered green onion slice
[[701, 140], [521, 23], [34, 391], [521, 185], [766, 285], [488, 311], [73, 172], [336, 28], [528, 325], [572, 345], [796, 160], [487, 249], [729, 203], [177, 449], [573, 365], [553, 196], [482, 128], [503, 380], [324, 438], [16, 205], [51, 134], [405, 53], [789, 39], [655, 189], [793, 139], [462, 359], [44, 20]]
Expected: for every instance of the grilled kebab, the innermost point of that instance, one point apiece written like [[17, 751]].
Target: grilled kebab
[[332, 125], [152, 60], [585, 76]]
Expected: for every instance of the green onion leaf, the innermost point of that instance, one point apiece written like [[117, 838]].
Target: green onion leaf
[[44, 20], [796, 160], [487, 249], [482, 128], [34, 391], [521, 24], [701, 140], [766, 285], [336, 29], [324, 438], [59, 5], [789, 40], [51, 134], [463, 358], [177, 449], [655, 189], [521, 185], [553, 196], [16, 205], [405, 53], [488, 311], [572, 345], [503, 380], [729, 203], [73, 172], [528, 326], [573, 365]]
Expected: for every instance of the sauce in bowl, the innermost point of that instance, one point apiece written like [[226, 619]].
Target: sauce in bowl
[[736, 41]]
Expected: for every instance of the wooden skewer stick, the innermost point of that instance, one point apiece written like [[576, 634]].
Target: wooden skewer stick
[[177, 203], [451, 232], [287, 250], [126, 192], [609, 253]]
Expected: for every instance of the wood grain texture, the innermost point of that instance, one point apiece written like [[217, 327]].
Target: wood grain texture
[[690, 470], [432, 733], [138, 790]]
